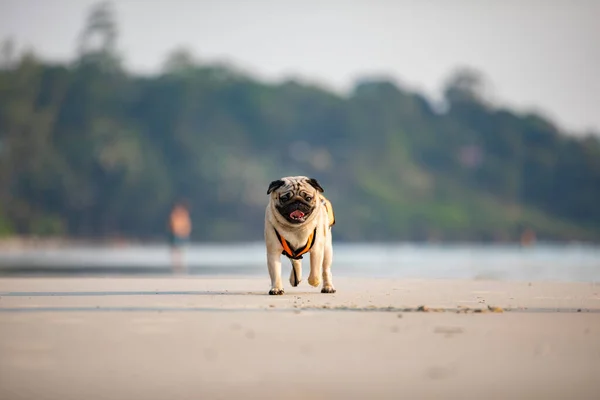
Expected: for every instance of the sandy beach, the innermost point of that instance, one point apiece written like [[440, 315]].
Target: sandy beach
[[224, 338]]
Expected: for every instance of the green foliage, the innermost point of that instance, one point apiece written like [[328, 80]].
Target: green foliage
[[46, 225], [89, 150], [6, 228]]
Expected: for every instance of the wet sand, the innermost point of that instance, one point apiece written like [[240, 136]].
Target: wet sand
[[224, 338]]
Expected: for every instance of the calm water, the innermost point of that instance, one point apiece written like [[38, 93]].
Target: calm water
[[541, 262]]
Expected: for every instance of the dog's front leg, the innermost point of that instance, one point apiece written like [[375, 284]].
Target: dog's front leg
[[274, 264], [316, 266], [296, 273]]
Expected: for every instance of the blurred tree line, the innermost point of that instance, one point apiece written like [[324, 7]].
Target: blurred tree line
[[90, 150]]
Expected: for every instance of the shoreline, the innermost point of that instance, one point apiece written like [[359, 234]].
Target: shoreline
[[33, 243]]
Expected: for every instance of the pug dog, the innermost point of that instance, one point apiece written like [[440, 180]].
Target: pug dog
[[298, 220]]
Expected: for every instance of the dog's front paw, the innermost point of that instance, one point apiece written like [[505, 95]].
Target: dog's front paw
[[328, 289], [314, 281], [276, 292]]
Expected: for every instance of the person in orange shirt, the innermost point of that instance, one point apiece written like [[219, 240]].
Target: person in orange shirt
[[180, 228]]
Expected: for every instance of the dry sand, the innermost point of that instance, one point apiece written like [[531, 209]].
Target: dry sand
[[224, 338]]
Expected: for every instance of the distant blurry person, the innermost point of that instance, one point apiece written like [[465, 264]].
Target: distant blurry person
[[180, 228], [528, 238]]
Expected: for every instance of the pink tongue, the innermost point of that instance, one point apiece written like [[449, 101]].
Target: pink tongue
[[297, 214]]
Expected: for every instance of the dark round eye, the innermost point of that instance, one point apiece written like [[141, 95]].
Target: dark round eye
[[308, 198], [285, 196]]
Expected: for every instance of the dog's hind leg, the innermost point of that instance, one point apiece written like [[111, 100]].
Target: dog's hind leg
[[327, 260], [296, 273]]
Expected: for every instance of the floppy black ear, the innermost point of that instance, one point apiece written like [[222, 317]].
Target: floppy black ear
[[313, 182], [275, 185]]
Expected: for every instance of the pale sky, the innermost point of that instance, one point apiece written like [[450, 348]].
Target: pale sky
[[542, 55]]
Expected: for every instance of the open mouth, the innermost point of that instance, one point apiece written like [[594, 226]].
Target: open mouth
[[297, 215], [295, 212]]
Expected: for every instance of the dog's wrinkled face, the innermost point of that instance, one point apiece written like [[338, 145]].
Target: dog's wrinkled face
[[295, 197]]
